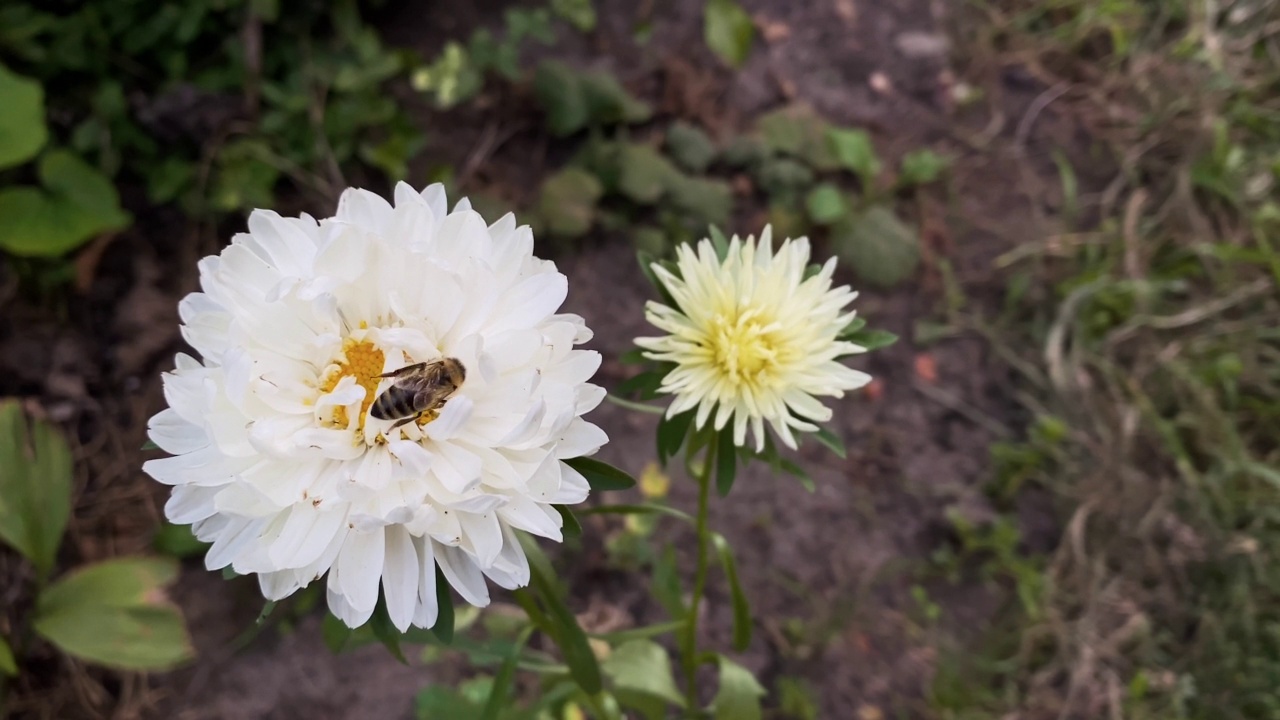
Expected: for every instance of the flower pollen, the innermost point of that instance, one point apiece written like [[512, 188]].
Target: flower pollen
[[363, 361], [745, 349]]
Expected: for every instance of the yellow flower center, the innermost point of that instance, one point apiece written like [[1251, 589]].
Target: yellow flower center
[[743, 346], [364, 362]]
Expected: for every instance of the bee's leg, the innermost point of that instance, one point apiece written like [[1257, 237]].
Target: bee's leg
[[403, 421]]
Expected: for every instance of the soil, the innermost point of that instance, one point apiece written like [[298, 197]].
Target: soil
[[829, 573]]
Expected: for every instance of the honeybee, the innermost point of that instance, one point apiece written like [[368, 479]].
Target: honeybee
[[418, 389]]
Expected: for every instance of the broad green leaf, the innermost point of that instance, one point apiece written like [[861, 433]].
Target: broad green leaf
[[726, 457], [783, 178], [35, 487], [22, 125], [854, 326], [645, 174], [559, 91], [76, 203], [744, 152], [877, 246], [335, 633], [832, 441], [690, 147], [601, 475], [741, 608], [738, 697], [799, 131], [8, 664], [921, 166], [728, 31], [177, 541], [568, 202], [643, 666], [826, 204], [853, 150], [580, 13], [385, 631], [562, 625], [115, 613]]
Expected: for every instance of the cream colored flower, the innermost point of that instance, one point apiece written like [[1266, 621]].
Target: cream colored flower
[[752, 338], [277, 459]]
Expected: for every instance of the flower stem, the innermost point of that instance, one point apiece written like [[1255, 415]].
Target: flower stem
[[690, 640]]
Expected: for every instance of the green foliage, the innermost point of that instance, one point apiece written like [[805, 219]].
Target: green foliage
[[178, 541], [853, 150], [877, 246], [738, 697], [783, 177], [601, 475], [645, 174], [921, 167], [690, 147], [35, 487], [22, 128], [579, 13], [567, 202], [73, 204], [574, 100], [642, 666], [115, 613], [728, 31], [8, 664], [826, 204], [799, 132]]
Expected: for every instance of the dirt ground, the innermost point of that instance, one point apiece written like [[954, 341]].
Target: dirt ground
[[829, 573]]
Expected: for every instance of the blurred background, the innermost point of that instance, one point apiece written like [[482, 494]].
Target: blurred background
[[1059, 499]]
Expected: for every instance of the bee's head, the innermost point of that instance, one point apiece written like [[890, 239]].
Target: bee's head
[[457, 371]]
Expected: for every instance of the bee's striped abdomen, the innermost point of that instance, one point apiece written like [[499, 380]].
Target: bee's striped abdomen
[[395, 403]]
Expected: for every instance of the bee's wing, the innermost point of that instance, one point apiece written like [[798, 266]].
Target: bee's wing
[[407, 369]]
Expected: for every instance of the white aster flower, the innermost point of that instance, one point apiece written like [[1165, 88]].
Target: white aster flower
[[276, 458], [752, 339]]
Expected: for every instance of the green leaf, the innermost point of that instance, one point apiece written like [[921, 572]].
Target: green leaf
[[177, 541], [385, 631], [572, 528], [798, 131], [559, 91], [568, 202], [671, 434], [443, 629], [707, 201], [920, 167], [564, 627], [76, 203], [601, 475], [505, 677], [690, 147], [645, 174], [826, 204], [608, 103], [643, 666], [580, 13], [666, 583], [444, 703], [831, 441], [115, 613], [726, 458], [738, 697], [741, 608], [8, 664], [872, 339], [879, 248], [22, 125], [728, 31], [854, 326], [854, 151], [783, 178], [35, 487], [336, 634]]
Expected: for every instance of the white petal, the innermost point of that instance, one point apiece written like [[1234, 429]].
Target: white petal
[[359, 566], [400, 577], [463, 574]]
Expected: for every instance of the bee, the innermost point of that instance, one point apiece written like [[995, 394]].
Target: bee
[[418, 390]]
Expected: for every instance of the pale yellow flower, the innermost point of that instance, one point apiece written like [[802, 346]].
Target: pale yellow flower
[[752, 338]]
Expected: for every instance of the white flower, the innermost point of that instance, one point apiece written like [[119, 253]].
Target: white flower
[[752, 339], [276, 458]]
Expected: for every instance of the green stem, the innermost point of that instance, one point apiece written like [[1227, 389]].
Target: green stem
[[689, 648]]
